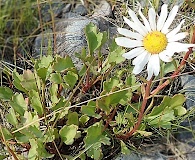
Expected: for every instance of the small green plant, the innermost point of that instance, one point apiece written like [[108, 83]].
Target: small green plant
[[48, 109]]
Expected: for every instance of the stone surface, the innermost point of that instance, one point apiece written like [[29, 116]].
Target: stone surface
[[71, 39], [81, 10], [69, 29], [188, 82], [187, 138], [42, 43], [56, 8], [104, 9]]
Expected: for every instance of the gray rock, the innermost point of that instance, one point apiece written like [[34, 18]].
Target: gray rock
[[186, 138], [42, 43], [134, 156], [56, 8], [81, 10], [70, 37], [188, 82], [104, 9], [67, 8], [186, 151]]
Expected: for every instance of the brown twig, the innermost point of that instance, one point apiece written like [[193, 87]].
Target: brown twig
[[7, 146], [110, 118], [183, 62], [141, 112]]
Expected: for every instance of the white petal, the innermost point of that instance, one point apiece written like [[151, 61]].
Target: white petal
[[176, 30], [126, 42], [153, 66], [133, 53], [162, 18], [150, 69], [134, 26], [156, 63], [170, 19], [139, 58], [143, 61], [178, 37], [130, 34], [169, 50], [136, 20], [163, 56], [173, 47], [152, 18], [146, 23]]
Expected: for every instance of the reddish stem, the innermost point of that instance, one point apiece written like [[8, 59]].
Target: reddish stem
[[141, 112], [110, 118]]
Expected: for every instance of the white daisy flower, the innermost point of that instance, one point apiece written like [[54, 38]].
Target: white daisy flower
[[152, 41]]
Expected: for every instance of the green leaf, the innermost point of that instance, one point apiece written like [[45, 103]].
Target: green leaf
[[177, 100], [94, 139], [81, 55], [170, 67], [44, 73], [180, 111], [131, 81], [113, 46], [170, 107], [21, 138], [29, 82], [164, 104], [73, 118], [35, 131], [43, 154], [144, 133], [71, 78], [102, 105], [83, 119], [37, 150], [43, 67], [50, 135], [162, 115], [3, 157], [6, 134], [11, 117], [163, 120], [90, 109], [124, 149], [5, 93], [54, 93], [110, 84], [32, 154], [116, 56], [17, 81], [116, 97], [95, 136], [94, 39], [30, 117], [61, 64], [18, 103], [44, 62], [36, 102], [56, 78], [68, 133], [95, 153], [120, 119], [62, 103], [83, 70]]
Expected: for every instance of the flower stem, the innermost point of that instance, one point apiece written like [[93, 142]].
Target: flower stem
[[141, 112]]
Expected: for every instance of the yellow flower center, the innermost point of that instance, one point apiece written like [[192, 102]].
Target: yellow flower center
[[155, 42]]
